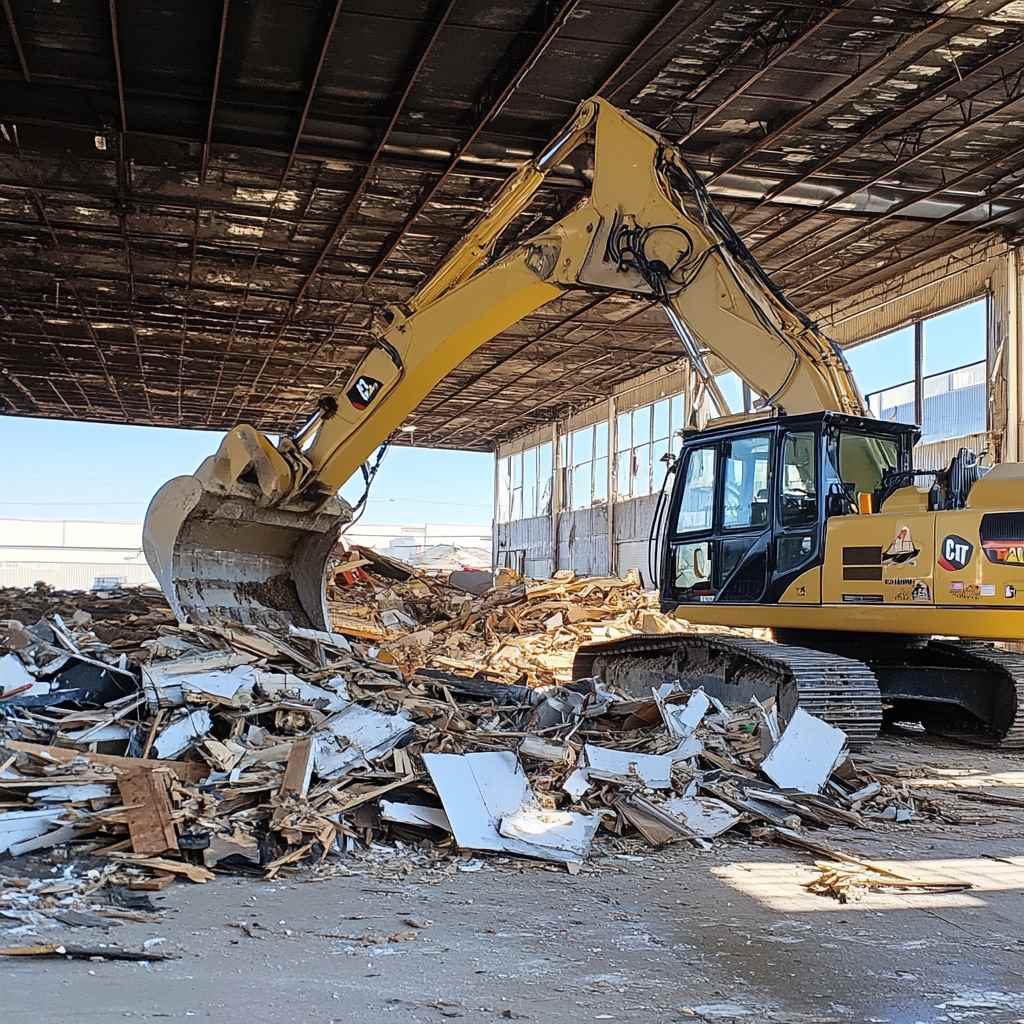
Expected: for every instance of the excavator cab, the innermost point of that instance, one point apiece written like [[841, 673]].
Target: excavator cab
[[751, 501]]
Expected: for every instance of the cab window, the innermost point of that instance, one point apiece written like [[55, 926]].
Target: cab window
[[745, 482], [799, 506], [697, 507], [864, 458]]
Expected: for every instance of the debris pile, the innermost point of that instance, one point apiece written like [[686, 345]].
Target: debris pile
[[518, 630], [233, 748]]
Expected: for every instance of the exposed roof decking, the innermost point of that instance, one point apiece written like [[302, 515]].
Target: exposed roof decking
[[204, 242]]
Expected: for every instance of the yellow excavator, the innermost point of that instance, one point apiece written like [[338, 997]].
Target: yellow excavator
[[807, 517]]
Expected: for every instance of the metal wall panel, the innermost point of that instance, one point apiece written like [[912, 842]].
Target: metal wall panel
[[583, 541]]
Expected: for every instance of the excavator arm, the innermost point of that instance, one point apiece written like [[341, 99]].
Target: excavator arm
[[247, 537]]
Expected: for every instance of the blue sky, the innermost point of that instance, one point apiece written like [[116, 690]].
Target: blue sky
[[65, 470], [62, 470]]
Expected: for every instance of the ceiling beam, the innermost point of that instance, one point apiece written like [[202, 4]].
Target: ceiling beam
[[769, 65], [848, 86], [118, 72], [349, 208], [708, 9], [919, 255], [16, 40], [940, 89], [894, 168], [493, 109], [311, 91], [217, 65], [844, 240]]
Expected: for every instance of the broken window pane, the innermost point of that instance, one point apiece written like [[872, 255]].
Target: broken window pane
[[582, 445], [642, 476], [624, 474], [641, 425], [582, 478]]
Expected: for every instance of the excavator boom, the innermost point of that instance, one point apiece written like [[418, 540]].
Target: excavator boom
[[248, 536]]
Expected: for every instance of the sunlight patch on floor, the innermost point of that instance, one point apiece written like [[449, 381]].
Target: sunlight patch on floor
[[780, 885]]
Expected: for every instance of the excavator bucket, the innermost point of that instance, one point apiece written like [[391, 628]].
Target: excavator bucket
[[221, 557]]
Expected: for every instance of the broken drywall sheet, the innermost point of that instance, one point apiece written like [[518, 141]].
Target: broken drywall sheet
[[17, 826], [414, 814], [681, 720], [72, 793], [109, 733], [180, 734], [487, 794], [354, 737], [557, 835], [651, 770], [806, 755], [216, 673], [14, 676], [320, 636], [703, 816], [332, 696]]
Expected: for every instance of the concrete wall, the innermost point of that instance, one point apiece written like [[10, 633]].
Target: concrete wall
[[987, 267]]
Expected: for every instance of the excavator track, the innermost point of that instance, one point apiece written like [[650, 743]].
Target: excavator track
[[842, 691], [1005, 725]]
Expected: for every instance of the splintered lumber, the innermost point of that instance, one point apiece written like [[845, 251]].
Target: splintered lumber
[[185, 770], [299, 769], [193, 872], [148, 807], [862, 874], [155, 884], [361, 629], [65, 952]]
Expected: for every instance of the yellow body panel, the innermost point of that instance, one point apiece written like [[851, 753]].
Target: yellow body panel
[[805, 589], [923, 573], [906, 620], [879, 559]]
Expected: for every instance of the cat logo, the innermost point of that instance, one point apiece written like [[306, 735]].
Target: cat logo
[[363, 391], [955, 553]]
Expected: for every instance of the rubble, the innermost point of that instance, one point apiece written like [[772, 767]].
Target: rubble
[[518, 631], [233, 749]]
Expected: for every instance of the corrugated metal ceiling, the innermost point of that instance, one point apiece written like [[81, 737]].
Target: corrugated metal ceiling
[[201, 204]]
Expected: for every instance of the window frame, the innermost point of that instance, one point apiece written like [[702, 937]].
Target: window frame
[[724, 444]]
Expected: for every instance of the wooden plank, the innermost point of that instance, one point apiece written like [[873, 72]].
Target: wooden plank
[[155, 884], [162, 864], [185, 770], [150, 818], [300, 768]]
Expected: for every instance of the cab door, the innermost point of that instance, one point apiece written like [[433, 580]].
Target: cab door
[[720, 535], [744, 534]]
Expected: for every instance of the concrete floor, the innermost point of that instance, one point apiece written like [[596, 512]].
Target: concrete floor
[[728, 935]]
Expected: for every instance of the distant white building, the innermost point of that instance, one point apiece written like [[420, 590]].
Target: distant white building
[[73, 554]]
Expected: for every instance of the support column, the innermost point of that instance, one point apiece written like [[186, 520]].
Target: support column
[[919, 372], [495, 524], [556, 494], [613, 568], [1015, 367]]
